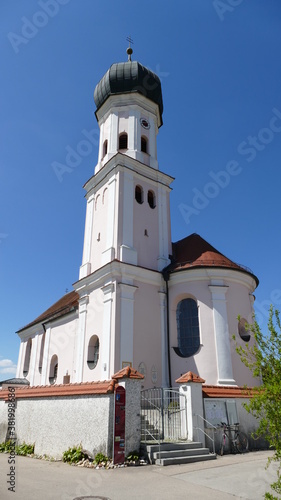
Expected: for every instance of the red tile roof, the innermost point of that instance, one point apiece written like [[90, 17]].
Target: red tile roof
[[229, 391], [66, 304], [127, 372], [190, 377], [194, 251], [44, 391]]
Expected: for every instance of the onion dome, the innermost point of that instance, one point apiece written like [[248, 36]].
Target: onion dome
[[127, 77]]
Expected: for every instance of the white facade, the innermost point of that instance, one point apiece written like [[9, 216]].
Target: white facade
[[123, 314]]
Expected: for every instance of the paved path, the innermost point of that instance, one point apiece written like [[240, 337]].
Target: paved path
[[228, 477]]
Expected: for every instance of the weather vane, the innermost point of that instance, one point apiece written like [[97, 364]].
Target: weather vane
[[129, 49]]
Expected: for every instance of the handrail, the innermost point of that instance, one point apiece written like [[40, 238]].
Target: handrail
[[213, 429]]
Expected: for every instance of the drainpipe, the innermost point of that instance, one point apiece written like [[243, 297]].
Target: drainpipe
[[166, 276]]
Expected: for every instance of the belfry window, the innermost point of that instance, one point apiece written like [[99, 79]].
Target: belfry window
[[105, 144], [139, 194], [123, 141], [144, 142], [93, 352], [187, 328], [151, 199]]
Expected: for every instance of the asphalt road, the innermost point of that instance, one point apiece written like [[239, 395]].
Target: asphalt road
[[228, 477]]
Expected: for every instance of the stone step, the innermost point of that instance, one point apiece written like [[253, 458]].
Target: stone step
[[150, 448], [180, 453], [184, 460]]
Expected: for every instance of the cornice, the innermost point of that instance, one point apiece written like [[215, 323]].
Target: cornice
[[117, 270], [131, 99], [119, 163], [211, 273]]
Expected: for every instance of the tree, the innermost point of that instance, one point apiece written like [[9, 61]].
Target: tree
[[263, 358]]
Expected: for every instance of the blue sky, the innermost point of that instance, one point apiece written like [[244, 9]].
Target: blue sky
[[219, 62]]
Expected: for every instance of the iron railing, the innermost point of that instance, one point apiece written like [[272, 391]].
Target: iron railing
[[163, 415]]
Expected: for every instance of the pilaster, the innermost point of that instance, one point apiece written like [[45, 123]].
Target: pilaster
[[164, 348], [81, 333], [127, 293], [109, 254], [108, 291], [85, 269], [222, 341], [32, 367], [44, 377], [20, 360]]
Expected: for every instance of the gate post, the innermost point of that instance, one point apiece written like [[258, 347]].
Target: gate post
[[191, 387], [131, 380]]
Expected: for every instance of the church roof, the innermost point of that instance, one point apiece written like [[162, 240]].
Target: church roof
[[127, 77], [66, 304], [193, 252]]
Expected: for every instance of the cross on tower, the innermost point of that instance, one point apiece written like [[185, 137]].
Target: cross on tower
[[129, 49]]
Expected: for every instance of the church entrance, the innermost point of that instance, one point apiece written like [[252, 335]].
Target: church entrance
[[163, 415]]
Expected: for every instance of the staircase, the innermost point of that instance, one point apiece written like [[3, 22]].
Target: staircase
[[176, 453]]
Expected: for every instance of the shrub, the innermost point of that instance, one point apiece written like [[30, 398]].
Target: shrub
[[25, 449], [133, 456], [73, 455], [99, 458]]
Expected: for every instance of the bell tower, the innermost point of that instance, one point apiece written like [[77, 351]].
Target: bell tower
[[128, 213]]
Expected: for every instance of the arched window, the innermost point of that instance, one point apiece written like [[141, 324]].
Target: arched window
[[144, 143], [27, 357], [139, 194], [53, 369], [243, 330], [105, 148], [123, 141], [151, 199], [41, 352], [188, 328], [93, 352]]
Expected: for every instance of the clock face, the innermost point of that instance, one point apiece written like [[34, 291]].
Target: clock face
[[145, 123]]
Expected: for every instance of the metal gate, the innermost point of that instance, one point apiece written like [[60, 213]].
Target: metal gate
[[163, 415]]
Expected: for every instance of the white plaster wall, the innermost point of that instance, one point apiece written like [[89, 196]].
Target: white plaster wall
[[147, 331], [203, 362], [146, 218], [247, 424], [99, 231], [238, 303], [62, 343], [94, 326], [55, 424], [3, 420]]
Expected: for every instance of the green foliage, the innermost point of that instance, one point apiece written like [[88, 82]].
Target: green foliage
[[99, 458], [22, 449], [174, 405], [6, 447], [263, 358], [25, 449], [133, 456], [73, 455]]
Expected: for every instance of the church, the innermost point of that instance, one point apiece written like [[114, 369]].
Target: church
[[141, 300]]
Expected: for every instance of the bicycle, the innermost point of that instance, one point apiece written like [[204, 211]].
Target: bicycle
[[237, 439]]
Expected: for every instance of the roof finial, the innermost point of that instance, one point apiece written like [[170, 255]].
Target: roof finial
[[129, 49]]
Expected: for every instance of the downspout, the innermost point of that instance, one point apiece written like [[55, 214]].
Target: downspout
[[166, 276]]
